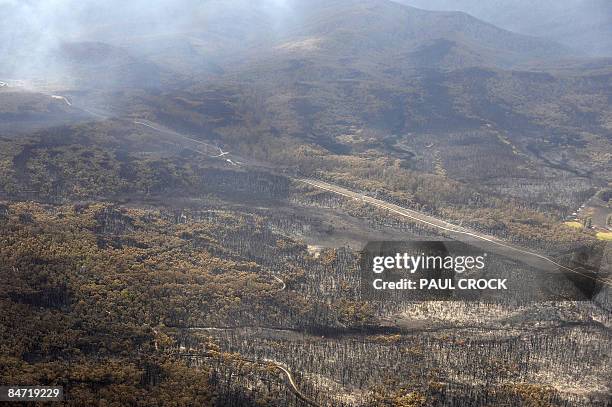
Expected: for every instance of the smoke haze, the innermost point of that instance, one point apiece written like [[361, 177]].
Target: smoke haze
[[31, 31], [200, 34]]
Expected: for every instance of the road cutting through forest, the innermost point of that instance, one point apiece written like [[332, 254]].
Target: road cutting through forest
[[455, 232]]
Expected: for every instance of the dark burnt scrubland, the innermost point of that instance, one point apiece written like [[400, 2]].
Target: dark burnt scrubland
[[163, 241], [217, 285]]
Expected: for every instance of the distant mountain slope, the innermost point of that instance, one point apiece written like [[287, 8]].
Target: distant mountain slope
[[384, 25], [216, 37], [360, 33], [584, 25]]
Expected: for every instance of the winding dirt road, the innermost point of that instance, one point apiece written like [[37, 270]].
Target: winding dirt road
[[292, 384], [63, 99], [270, 364]]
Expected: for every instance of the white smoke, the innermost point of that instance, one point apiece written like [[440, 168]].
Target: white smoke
[[31, 30]]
